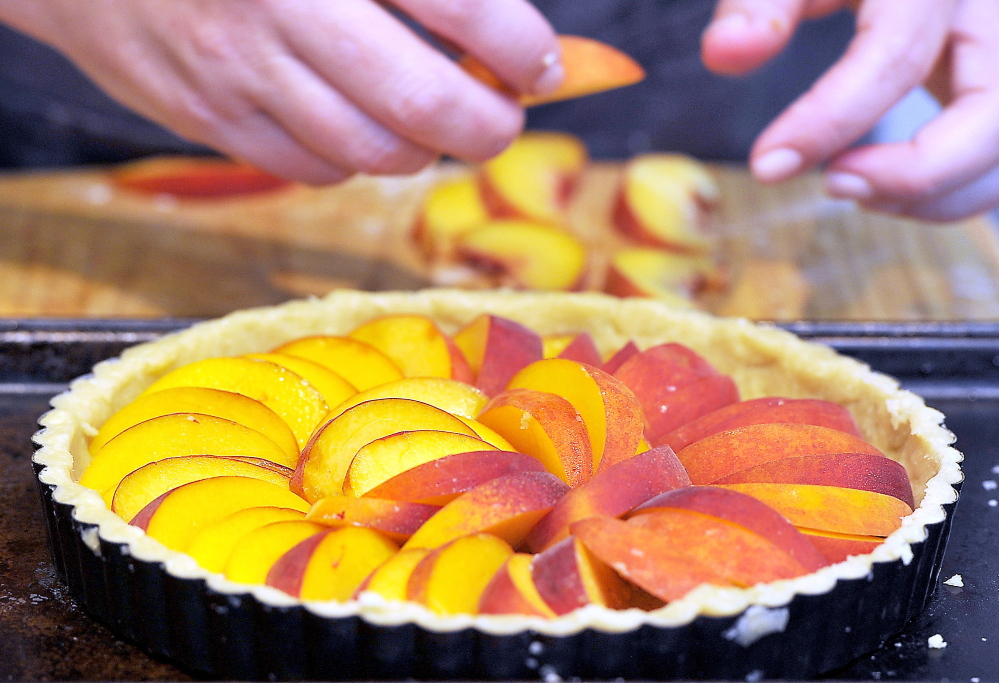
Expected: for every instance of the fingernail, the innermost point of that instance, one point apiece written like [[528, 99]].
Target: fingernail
[[777, 164], [730, 23], [848, 186], [553, 75]]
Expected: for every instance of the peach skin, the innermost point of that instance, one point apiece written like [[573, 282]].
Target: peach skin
[[451, 579], [496, 349], [396, 519], [568, 576], [512, 590]]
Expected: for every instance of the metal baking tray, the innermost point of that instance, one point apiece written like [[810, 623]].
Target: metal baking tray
[[955, 367]]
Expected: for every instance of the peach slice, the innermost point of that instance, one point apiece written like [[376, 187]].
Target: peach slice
[[231, 406], [416, 345], [296, 401], [458, 398], [660, 569], [512, 590], [659, 274], [452, 578], [334, 388], [490, 436], [507, 507], [381, 459], [496, 349], [721, 454], [554, 344], [169, 436], [582, 349], [590, 67], [534, 177], [761, 411], [613, 491], [524, 254], [568, 576], [837, 547], [546, 427], [254, 554], [183, 512], [688, 403], [610, 411], [391, 579], [849, 470], [325, 459], [450, 208], [440, 481], [396, 519], [330, 565], [831, 508], [619, 357], [213, 545], [149, 482], [662, 201], [196, 178], [739, 509], [361, 364]]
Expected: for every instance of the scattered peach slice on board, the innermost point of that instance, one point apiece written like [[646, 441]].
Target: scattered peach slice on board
[[226, 404], [334, 388], [568, 576], [396, 519], [325, 459], [512, 590], [196, 178], [458, 398], [590, 67], [450, 208], [391, 579], [186, 510], [415, 344], [451, 579], [660, 274], [213, 544], [361, 364], [142, 486], [289, 395], [170, 436], [255, 553]]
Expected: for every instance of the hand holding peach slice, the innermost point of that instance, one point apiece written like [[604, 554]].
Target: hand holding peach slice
[[296, 401], [254, 554], [149, 482], [213, 544], [512, 590], [524, 254], [612, 491], [170, 436], [590, 67], [396, 519], [496, 349], [416, 345], [458, 398], [451, 578], [568, 576], [361, 364], [330, 565], [507, 507]]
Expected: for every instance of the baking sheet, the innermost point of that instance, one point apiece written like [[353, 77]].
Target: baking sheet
[[47, 637]]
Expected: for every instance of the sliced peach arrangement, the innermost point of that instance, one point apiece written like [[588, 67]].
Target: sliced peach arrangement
[[491, 471]]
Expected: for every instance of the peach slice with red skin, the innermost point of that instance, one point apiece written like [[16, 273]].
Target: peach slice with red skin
[[544, 426], [688, 403], [590, 67], [361, 364], [396, 519], [512, 590], [761, 411], [450, 208], [507, 507], [416, 345], [330, 565], [619, 357], [838, 547], [568, 576], [724, 453], [452, 578], [214, 544], [660, 274], [612, 491], [610, 411], [254, 554], [440, 481], [458, 398], [496, 349], [391, 578], [582, 349], [196, 178]]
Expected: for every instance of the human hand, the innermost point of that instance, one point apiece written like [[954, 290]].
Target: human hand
[[949, 170], [309, 89]]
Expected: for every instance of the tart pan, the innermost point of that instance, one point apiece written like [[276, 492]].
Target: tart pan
[[796, 628]]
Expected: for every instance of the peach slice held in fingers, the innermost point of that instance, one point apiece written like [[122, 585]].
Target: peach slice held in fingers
[[196, 178], [507, 507], [323, 464], [170, 436], [226, 404], [330, 565], [659, 274], [396, 519], [451, 578], [381, 459], [254, 554], [289, 395], [361, 364], [149, 482], [546, 427], [512, 590], [450, 208], [213, 544], [590, 67], [525, 255], [416, 345], [496, 349], [568, 576], [458, 398], [610, 411]]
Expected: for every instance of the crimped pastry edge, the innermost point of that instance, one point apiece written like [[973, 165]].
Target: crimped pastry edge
[[763, 360]]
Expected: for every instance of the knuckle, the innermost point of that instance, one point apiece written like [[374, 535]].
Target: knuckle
[[389, 159], [424, 105]]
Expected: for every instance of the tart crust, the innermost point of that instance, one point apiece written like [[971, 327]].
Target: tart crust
[[762, 360]]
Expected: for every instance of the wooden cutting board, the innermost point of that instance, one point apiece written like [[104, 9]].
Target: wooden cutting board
[[72, 244]]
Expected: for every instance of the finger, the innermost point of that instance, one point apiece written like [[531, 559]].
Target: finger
[[971, 199], [509, 36], [399, 80], [894, 50], [743, 34]]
